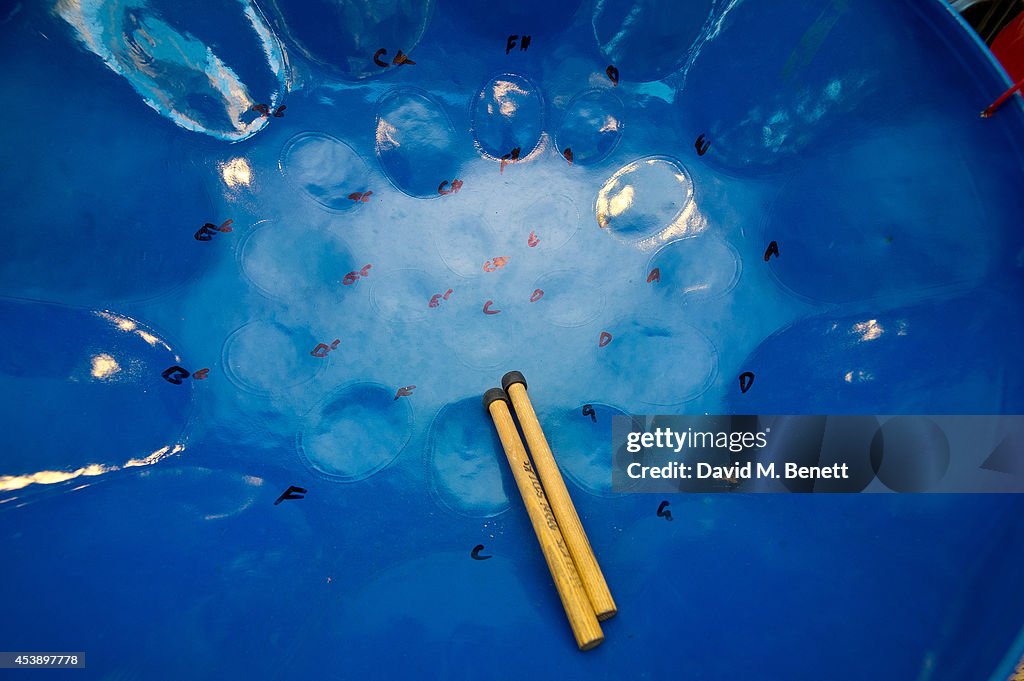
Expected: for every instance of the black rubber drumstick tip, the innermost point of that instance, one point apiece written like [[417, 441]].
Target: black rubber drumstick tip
[[494, 394], [511, 378]]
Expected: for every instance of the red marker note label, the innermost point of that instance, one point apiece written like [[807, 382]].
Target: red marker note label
[[532, 240], [264, 110], [537, 295], [361, 197], [453, 187], [353, 277], [510, 157], [495, 263], [321, 349], [655, 275], [567, 153], [201, 374], [487, 308], [436, 299], [405, 392], [605, 339]]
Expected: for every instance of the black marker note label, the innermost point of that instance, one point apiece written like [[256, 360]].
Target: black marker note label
[[174, 374], [701, 146], [613, 75], [380, 56], [511, 41], [293, 492], [206, 232], [510, 157], [264, 110]]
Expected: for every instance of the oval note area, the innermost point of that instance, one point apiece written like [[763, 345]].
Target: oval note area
[[204, 68], [416, 143], [507, 115], [649, 39], [74, 373], [681, 363], [645, 199], [468, 468], [342, 37], [324, 169]]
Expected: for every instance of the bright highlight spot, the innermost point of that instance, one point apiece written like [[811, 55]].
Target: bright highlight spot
[[869, 330], [13, 482], [104, 366], [236, 173]]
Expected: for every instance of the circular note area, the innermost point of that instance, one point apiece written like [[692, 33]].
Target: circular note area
[[291, 261], [668, 362], [265, 358], [406, 295], [465, 243], [487, 341], [700, 268], [324, 169], [469, 473], [553, 222], [591, 128], [355, 432], [568, 298], [580, 438]]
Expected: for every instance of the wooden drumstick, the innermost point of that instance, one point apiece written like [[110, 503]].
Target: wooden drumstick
[[561, 503], [1018, 673], [567, 581]]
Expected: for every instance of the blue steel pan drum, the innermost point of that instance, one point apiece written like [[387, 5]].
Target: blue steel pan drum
[[261, 260]]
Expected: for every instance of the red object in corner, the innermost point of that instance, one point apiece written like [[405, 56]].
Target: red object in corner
[[1009, 48]]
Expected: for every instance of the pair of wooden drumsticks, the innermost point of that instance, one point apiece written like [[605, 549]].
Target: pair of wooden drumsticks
[[581, 586]]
